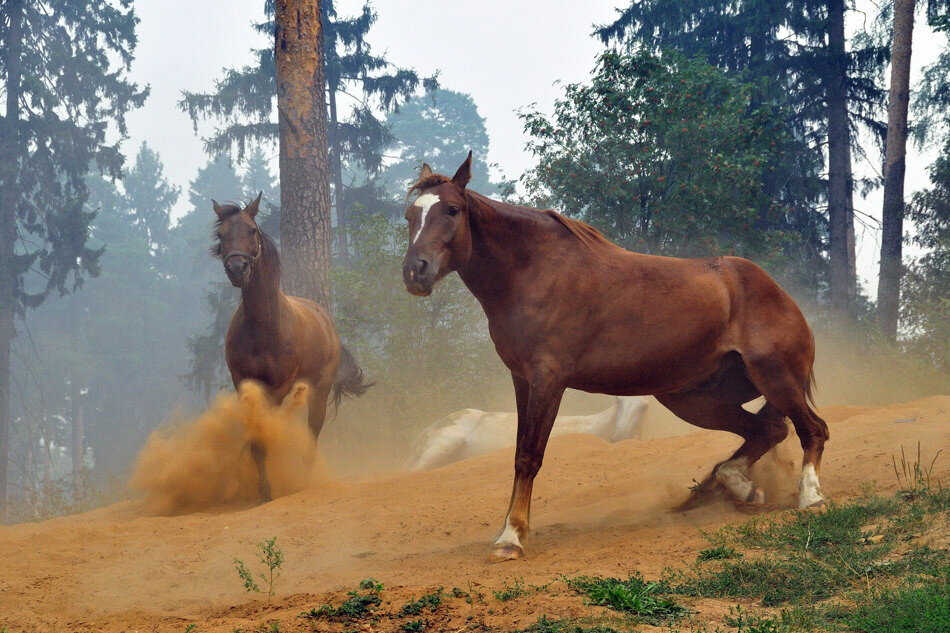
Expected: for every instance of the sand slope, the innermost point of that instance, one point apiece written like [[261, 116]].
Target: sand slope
[[598, 509]]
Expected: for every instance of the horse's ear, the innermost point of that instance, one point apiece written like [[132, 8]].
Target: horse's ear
[[254, 207], [464, 173], [425, 172], [217, 207]]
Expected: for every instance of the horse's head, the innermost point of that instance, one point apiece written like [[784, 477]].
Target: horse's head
[[239, 239], [440, 239]]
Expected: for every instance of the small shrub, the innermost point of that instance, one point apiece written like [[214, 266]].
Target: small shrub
[[272, 558], [720, 552], [544, 625], [508, 593], [414, 626], [914, 478], [634, 596], [355, 607], [430, 601]]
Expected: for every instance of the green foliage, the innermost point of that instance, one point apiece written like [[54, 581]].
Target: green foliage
[[925, 306], [911, 610], [720, 552], [748, 623], [356, 606], [633, 595], [430, 601], [439, 128], [414, 626], [811, 557], [510, 592], [668, 155], [271, 558], [544, 625], [914, 478]]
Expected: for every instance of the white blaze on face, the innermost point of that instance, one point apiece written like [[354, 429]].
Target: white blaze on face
[[424, 202], [809, 487]]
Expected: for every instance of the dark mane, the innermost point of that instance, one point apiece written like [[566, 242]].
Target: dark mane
[[587, 234], [227, 210], [425, 183]]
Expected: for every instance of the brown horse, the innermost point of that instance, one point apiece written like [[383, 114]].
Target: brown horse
[[567, 308], [274, 338]]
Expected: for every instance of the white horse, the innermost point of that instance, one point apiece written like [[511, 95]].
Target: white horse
[[471, 432]]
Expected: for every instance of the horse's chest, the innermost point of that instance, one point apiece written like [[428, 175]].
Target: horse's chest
[[270, 360]]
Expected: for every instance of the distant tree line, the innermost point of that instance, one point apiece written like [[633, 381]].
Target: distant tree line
[[706, 128]]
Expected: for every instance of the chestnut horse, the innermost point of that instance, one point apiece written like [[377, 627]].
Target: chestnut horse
[[275, 339], [567, 308]]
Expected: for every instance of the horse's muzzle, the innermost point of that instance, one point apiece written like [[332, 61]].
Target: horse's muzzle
[[418, 276], [238, 270]]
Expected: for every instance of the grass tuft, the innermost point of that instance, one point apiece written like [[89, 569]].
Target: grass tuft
[[633, 595]]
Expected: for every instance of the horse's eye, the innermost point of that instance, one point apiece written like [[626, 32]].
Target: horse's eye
[[254, 231], [453, 210]]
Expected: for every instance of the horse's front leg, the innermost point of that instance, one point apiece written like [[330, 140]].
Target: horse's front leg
[[538, 402]]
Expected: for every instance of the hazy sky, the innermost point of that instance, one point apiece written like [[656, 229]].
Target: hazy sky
[[507, 55]]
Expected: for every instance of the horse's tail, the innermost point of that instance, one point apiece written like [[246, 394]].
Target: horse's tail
[[350, 381]]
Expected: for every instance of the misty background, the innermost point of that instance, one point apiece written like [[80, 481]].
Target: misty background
[[141, 343]]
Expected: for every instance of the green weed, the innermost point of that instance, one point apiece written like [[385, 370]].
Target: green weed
[[633, 595], [414, 626], [720, 552], [357, 606], [272, 558], [911, 610], [544, 625], [430, 601], [510, 592]]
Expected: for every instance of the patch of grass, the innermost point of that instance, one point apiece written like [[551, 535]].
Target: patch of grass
[[430, 601], [810, 557], [746, 622], [510, 592], [720, 552], [634, 595], [357, 606], [414, 626], [910, 610], [914, 478], [544, 625]]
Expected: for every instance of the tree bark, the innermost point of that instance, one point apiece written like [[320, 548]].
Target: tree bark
[[840, 200], [892, 234], [9, 166], [78, 442], [302, 116]]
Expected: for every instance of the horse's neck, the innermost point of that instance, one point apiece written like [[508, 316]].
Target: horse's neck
[[497, 259], [261, 297]]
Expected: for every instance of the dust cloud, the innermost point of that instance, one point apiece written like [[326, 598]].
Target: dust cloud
[[206, 463]]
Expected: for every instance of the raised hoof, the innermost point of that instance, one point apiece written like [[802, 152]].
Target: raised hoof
[[501, 552]]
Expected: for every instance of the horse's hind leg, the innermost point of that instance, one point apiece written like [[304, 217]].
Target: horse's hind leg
[[785, 390], [761, 431], [259, 453]]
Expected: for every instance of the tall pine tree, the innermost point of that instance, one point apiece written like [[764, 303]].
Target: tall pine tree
[[63, 72]]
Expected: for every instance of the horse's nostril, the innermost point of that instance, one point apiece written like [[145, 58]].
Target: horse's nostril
[[423, 266]]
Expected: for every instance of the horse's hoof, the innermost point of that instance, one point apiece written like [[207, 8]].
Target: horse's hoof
[[817, 506], [501, 552], [756, 495]]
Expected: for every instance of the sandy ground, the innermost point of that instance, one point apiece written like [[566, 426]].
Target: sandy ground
[[598, 509]]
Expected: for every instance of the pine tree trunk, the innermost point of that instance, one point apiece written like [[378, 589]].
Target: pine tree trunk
[[889, 279], [336, 166], [302, 116], [840, 201], [9, 160]]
